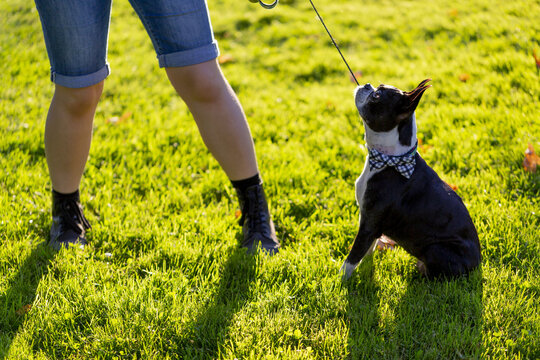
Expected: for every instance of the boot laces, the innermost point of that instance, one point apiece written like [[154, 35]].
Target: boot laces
[[72, 214], [256, 212]]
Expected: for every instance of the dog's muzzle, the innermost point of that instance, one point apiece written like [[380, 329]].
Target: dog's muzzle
[[362, 93]]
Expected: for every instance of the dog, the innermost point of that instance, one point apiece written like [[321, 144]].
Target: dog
[[401, 197]]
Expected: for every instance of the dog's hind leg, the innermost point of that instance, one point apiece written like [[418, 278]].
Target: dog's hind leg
[[446, 261], [363, 245]]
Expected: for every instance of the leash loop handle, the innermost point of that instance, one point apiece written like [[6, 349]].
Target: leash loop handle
[[268, 6]]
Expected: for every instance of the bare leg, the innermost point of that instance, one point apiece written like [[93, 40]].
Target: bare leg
[[68, 133], [219, 116], [225, 132]]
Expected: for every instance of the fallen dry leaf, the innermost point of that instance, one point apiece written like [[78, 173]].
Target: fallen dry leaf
[[453, 187], [119, 119], [126, 116], [113, 120], [237, 213], [537, 61], [23, 310], [422, 147], [453, 13], [531, 161], [425, 148], [464, 77], [225, 58]]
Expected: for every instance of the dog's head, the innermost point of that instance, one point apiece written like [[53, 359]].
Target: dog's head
[[386, 107]]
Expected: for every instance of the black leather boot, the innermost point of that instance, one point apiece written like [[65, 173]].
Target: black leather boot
[[68, 224], [257, 226]]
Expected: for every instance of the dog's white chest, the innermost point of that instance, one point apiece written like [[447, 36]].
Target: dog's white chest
[[361, 183], [385, 142]]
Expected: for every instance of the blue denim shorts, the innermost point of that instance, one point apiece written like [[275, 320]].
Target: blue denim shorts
[[76, 35]]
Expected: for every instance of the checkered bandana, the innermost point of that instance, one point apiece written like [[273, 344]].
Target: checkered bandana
[[404, 164]]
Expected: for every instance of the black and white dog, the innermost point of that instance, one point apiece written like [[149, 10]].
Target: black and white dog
[[401, 197]]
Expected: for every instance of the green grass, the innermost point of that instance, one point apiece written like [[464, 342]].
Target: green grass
[[163, 277]]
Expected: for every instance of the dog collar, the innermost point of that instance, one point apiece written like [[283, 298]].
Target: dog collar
[[404, 164]]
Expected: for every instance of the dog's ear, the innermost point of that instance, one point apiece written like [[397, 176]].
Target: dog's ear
[[411, 99]]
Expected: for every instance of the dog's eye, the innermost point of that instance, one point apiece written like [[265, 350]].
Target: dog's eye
[[376, 95]]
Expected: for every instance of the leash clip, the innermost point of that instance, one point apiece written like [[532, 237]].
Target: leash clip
[[268, 6]]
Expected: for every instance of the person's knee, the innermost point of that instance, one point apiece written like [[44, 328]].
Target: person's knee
[[78, 101], [207, 90], [203, 84]]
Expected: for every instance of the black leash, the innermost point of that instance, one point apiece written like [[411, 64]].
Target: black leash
[[270, 6], [334, 42]]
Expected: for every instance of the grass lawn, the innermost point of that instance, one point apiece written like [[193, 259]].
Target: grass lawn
[[163, 276]]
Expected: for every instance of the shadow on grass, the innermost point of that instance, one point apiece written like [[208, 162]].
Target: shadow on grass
[[432, 320], [363, 311], [21, 292], [210, 331]]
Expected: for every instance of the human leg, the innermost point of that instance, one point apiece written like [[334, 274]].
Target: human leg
[[68, 132], [224, 129], [75, 34], [182, 36], [219, 116]]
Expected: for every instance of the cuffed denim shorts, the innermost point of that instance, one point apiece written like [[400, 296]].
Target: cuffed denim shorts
[[76, 35]]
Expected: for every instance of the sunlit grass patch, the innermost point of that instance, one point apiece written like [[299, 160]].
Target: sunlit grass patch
[[163, 276]]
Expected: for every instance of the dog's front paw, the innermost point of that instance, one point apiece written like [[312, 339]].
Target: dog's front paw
[[347, 269]]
